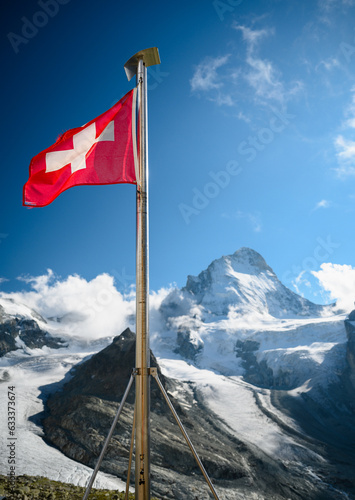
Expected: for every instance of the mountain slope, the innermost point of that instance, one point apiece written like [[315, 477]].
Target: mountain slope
[[21, 328], [263, 380], [236, 317], [80, 415]]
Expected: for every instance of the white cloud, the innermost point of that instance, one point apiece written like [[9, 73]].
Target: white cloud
[[264, 78], [328, 64], [350, 111], [210, 81], [346, 156], [344, 145], [262, 75], [222, 99], [224, 82], [252, 37], [299, 281], [85, 310], [242, 116], [206, 76], [339, 282], [322, 204], [328, 5], [3, 280], [346, 148]]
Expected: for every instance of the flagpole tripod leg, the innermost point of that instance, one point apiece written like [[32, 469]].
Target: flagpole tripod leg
[[130, 455], [109, 436], [154, 373]]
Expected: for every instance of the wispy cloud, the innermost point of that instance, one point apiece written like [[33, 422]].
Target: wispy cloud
[[242, 116], [261, 74], [207, 79], [223, 99], [300, 281], [328, 64], [346, 156], [328, 5], [206, 76], [224, 82], [253, 218], [344, 143], [252, 37], [350, 111], [322, 204]]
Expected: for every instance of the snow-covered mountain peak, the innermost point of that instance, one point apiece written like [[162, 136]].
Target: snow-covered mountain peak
[[236, 315], [244, 282], [248, 261], [243, 261]]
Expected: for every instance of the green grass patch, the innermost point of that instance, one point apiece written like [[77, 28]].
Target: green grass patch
[[41, 488]]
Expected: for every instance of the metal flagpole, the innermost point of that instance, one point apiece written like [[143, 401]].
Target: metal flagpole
[[137, 65]]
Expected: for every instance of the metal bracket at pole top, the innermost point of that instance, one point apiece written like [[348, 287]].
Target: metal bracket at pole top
[[150, 58]]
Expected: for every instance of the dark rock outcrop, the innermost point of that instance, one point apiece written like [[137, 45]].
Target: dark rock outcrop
[[259, 373], [25, 330], [255, 373], [187, 347], [350, 353]]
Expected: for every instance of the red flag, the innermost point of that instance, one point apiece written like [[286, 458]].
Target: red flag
[[101, 152]]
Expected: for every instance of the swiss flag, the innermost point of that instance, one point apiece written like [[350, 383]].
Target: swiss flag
[[101, 152]]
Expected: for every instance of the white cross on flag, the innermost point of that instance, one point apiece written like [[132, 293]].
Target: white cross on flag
[[101, 152]]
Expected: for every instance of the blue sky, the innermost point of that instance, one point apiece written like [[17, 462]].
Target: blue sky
[[251, 136]]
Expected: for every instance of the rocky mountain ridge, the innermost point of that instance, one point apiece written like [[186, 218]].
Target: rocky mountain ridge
[[22, 328]]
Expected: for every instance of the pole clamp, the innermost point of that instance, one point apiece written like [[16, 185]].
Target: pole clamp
[[153, 371]]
